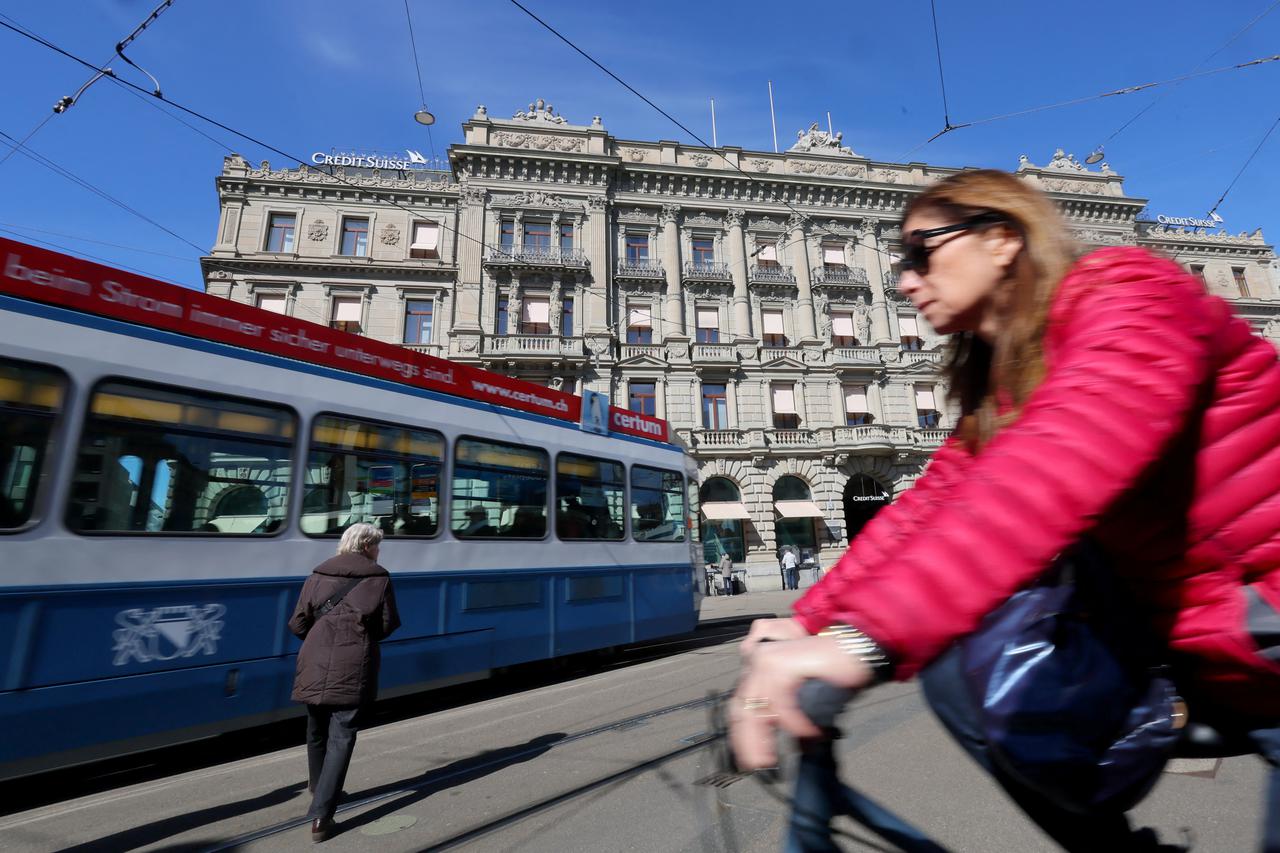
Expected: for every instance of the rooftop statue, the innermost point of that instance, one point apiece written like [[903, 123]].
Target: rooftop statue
[[817, 141], [540, 111]]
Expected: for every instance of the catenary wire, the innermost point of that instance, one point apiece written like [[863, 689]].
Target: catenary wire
[[1262, 142], [77, 237], [417, 66], [942, 81]]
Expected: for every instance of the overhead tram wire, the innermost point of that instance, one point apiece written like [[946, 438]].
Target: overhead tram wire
[[1127, 90], [417, 66], [1140, 113], [679, 124], [947, 127], [223, 126], [74, 178], [15, 226], [1263, 141]]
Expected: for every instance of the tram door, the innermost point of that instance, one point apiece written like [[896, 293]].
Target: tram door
[[863, 498]]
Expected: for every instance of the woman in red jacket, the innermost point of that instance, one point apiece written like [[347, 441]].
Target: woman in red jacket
[[1109, 396]]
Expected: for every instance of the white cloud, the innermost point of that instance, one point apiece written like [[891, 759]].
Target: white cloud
[[332, 52]]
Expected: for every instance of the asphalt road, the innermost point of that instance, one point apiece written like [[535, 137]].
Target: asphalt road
[[609, 760]]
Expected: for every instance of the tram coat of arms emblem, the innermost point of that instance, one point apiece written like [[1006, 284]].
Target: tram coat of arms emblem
[[167, 633]]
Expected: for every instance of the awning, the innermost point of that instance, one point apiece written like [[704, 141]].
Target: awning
[[721, 510], [797, 509]]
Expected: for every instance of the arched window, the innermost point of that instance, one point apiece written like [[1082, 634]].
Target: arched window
[[723, 521], [797, 514], [241, 500], [863, 498]]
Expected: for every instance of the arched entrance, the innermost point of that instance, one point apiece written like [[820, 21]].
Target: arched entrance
[[724, 521], [796, 515], [863, 498]]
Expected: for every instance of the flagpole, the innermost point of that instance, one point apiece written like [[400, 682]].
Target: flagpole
[[714, 142], [830, 132], [773, 120]]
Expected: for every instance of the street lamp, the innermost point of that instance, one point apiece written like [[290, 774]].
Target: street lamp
[[422, 116], [1094, 157]]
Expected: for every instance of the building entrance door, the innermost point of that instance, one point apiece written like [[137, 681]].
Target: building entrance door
[[863, 498]]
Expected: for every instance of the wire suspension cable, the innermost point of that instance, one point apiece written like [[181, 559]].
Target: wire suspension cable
[[942, 81], [417, 66], [1265, 136]]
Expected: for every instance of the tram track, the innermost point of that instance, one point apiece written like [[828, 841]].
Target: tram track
[[703, 739]]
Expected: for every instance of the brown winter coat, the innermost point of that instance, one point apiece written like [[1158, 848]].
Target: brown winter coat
[[338, 662]]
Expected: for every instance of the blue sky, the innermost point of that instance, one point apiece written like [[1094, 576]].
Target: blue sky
[[317, 75]]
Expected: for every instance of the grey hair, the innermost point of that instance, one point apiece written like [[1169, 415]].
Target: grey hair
[[360, 539]]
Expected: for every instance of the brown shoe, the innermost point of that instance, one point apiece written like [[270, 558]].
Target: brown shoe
[[320, 830]]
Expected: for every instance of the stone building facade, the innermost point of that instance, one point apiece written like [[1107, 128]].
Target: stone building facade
[[744, 296]]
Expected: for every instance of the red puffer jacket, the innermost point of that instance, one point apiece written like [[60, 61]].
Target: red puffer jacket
[[1157, 430]]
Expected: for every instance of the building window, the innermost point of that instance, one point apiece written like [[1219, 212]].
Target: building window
[[704, 251], [708, 326], [927, 414], [535, 315], [721, 534], [280, 232], [767, 253], [796, 526], [642, 397], [500, 319], [774, 333], [909, 334], [715, 407], [1241, 284], [507, 234], [856, 411], [566, 237], [355, 236], [537, 235], [417, 321], [785, 415], [276, 303], [346, 314], [566, 317], [426, 240], [833, 257], [639, 324], [842, 329], [1197, 270], [637, 248]]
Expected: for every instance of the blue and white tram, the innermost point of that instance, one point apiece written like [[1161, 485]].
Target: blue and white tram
[[162, 498]]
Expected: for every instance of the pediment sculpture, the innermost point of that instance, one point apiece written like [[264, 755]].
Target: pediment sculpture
[[815, 141]]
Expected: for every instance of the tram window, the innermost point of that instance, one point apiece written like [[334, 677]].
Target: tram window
[[388, 476], [165, 460], [657, 505], [590, 500], [31, 397], [499, 490]]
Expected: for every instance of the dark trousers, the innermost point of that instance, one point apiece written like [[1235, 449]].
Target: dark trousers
[[951, 700], [331, 738]]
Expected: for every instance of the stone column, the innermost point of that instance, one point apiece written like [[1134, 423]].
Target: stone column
[[738, 269], [800, 264], [673, 311], [470, 261], [595, 239], [873, 263]]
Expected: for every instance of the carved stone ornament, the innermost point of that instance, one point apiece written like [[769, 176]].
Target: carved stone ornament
[[1099, 238], [222, 274], [597, 202], [1063, 162], [834, 226], [539, 111], [701, 160], [759, 164], [472, 195], [637, 214], [676, 352], [670, 214], [765, 222], [538, 198], [1059, 185], [702, 220], [537, 141], [841, 170], [598, 346], [796, 222], [318, 231], [891, 232], [820, 142], [733, 219], [469, 344], [885, 176], [390, 235], [635, 155]]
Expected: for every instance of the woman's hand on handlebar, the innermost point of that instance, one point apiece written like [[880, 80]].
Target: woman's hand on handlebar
[[766, 696], [771, 629]]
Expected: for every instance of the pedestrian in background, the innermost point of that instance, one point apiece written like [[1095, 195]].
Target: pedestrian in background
[[726, 572], [791, 568], [1108, 397], [346, 608]]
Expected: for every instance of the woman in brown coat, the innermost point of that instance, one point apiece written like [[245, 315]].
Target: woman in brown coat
[[347, 606]]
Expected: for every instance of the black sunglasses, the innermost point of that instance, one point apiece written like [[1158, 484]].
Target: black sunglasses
[[915, 254]]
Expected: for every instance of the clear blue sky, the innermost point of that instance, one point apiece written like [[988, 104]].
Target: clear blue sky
[[308, 76]]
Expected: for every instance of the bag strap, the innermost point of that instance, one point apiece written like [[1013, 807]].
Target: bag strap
[[335, 599]]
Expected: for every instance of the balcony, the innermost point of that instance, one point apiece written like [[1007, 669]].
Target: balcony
[[834, 276], [771, 274], [893, 289], [930, 439], [768, 353], [706, 272], [629, 351], [855, 357], [719, 438], [537, 258], [642, 270], [429, 349], [921, 357], [551, 349], [871, 438], [792, 437], [715, 354]]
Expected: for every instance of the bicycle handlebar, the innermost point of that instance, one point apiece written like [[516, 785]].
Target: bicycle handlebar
[[822, 701]]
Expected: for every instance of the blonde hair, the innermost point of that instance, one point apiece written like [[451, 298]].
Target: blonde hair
[[984, 376], [360, 539]]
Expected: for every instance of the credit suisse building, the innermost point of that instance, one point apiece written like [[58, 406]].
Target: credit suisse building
[[745, 296]]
